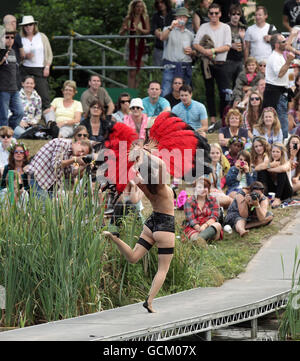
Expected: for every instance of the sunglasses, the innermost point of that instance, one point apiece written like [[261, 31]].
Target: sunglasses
[[82, 135], [9, 37], [214, 12], [29, 24], [134, 108], [124, 101], [19, 152], [262, 65], [95, 108], [282, 42], [255, 98], [236, 14], [6, 136], [177, 83]]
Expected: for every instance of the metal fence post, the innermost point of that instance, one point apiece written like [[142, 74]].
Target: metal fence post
[[71, 55], [254, 328]]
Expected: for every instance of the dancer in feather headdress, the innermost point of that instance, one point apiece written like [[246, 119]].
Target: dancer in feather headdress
[[149, 172]]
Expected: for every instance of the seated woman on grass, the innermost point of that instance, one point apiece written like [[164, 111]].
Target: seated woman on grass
[[260, 157], [249, 209], [235, 145], [269, 126], [17, 160], [293, 151], [277, 177], [217, 177], [239, 176], [234, 128], [202, 214]]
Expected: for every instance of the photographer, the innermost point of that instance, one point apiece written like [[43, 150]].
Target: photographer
[[58, 159], [249, 209]]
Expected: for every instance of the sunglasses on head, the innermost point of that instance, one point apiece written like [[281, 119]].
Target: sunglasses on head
[[82, 135], [125, 101]]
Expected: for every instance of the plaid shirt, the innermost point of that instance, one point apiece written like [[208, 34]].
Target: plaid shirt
[[46, 164], [193, 214]]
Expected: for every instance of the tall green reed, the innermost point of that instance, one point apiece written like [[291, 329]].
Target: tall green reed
[[52, 258], [289, 327]]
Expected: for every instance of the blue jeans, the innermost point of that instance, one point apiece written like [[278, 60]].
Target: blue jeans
[[12, 102], [169, 74], [282, 110], [38, 191]]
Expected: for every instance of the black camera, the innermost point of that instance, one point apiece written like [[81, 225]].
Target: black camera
[[254, 196], [88, 159], [295, 146]]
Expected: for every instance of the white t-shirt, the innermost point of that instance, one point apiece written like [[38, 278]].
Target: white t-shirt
[[36, 47], [259, 48], [220, 36], [273, 65]]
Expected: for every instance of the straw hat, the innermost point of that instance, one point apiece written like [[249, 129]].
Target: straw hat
[[28, 19]]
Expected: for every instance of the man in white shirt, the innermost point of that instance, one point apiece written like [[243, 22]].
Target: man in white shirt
[[277, 81], [178, 52], [257, 37], [220, 34]]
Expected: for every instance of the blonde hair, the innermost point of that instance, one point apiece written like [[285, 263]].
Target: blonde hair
[[131, 8], [217, 145], [265, 144], [283, 157], [261, 124], [251, 60], [235, 112], [71, 84]]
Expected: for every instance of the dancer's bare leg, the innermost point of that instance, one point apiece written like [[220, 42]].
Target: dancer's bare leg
[[164, 240], [132, 255]]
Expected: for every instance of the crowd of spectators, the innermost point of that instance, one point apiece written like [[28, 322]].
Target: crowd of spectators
[[256, 158]]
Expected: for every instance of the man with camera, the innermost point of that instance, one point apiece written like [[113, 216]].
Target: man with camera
[[249, 209], [58, 159]]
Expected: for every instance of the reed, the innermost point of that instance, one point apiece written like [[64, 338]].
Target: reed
[[289, 327]]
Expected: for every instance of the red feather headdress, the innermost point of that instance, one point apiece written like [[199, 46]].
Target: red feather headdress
[[172, 137]]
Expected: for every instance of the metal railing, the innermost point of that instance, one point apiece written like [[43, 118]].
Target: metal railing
[[73, 65], [207, 323]]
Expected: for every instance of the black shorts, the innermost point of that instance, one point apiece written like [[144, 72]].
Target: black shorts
[[160, 222]]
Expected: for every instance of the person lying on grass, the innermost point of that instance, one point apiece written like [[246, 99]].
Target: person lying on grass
[[249, 209]]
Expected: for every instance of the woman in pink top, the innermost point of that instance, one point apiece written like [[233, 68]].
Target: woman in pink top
[[136, 119]]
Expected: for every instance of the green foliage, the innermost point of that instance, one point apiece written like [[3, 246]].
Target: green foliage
[[290, 322]]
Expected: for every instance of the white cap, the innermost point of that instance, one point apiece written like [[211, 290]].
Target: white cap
[[136, 102]]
